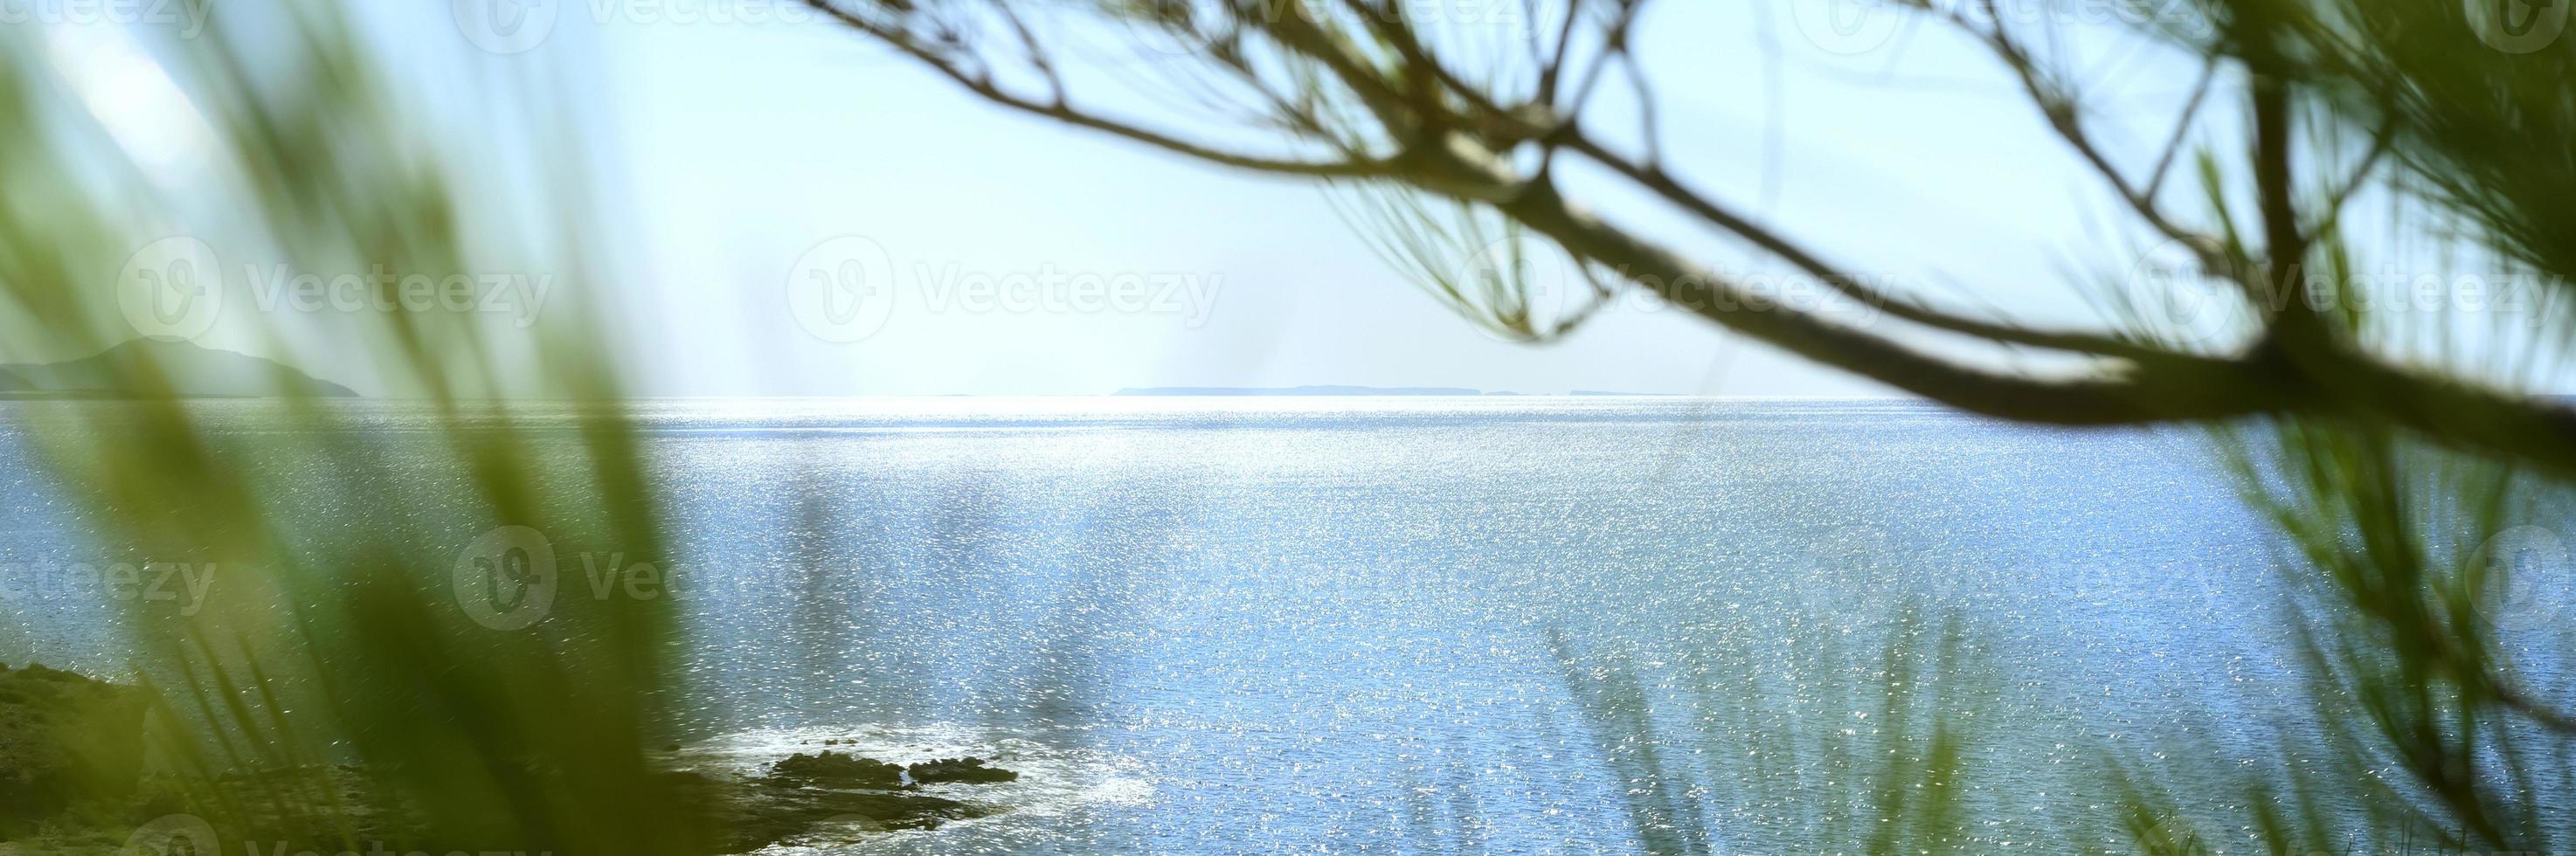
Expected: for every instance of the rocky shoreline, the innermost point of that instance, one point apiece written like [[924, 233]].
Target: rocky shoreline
[[72, 781]]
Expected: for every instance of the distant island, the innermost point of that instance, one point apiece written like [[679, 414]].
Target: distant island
[[1335, 390], [191, 370]]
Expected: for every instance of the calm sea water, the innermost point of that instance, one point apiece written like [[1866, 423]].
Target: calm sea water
[[1498, 624]]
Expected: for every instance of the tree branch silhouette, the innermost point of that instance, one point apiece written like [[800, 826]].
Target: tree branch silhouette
[[1364, 92]]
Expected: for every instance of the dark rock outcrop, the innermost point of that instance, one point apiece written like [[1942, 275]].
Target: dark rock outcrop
[[968, 770], [835, 770], [750, 815]]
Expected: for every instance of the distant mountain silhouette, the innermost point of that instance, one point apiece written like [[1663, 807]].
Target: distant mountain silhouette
[[192, 370]]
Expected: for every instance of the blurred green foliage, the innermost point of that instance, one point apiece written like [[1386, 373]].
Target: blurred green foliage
[[330, 694]]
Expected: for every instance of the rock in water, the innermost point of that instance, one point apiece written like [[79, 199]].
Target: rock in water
[[835, 770], [749, 815], [969, 770]]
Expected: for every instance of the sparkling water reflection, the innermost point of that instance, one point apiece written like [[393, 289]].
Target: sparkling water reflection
[[1509, 625]]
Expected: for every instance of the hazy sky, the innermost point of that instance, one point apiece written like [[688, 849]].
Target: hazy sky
[[741, 153]]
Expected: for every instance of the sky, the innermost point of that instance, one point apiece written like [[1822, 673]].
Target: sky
[[747, 152]]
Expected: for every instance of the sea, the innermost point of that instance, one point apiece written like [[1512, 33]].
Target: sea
[[1339, 624]]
